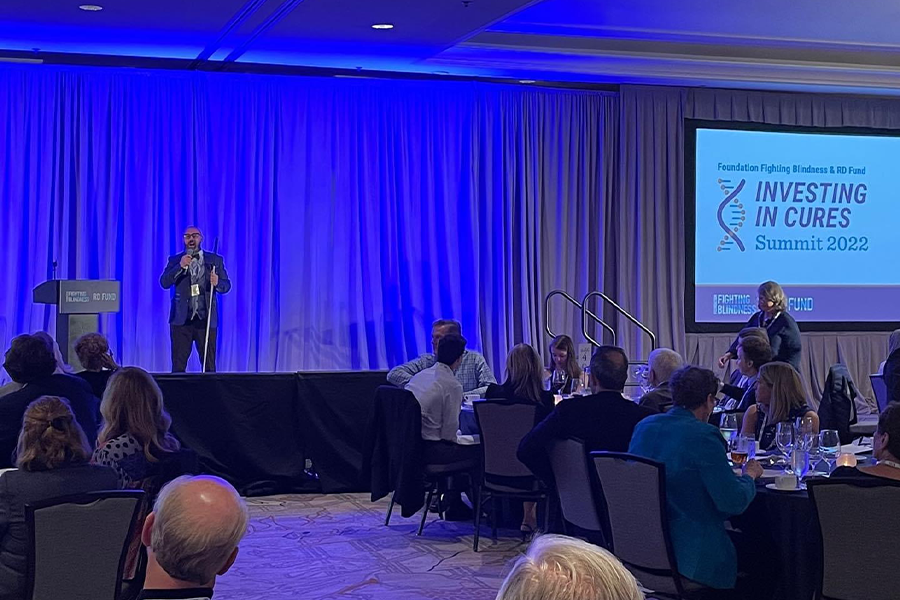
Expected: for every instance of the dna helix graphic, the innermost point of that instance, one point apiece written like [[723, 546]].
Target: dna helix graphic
[[731, 215]]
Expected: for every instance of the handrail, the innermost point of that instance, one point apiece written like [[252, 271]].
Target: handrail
[[580, 307], [621, 310]]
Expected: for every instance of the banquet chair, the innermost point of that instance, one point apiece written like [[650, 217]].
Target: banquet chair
[[77, 544], [503, 424], [879, 388], [576, 489], [860, 526], [394, 457], [634, 492]]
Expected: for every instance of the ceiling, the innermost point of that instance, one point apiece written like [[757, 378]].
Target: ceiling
[[818, 45]]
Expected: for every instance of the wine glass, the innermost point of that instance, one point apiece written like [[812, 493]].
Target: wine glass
[[559, 380], [830, 446], [800, 463], [728, 425], [784, 439]]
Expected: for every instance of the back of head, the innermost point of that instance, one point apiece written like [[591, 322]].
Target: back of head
[[563, 568], [889, 423], [525, 372], [787, 389], [894, 341], [50, 436], [773, 292], [609, 368], [92, 348], [691, 386], [757, 332], [664, 362], [450, 348], [197, 525], [756, 350], [29, 359], [133, 404]]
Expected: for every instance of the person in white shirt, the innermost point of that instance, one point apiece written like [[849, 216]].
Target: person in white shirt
[[440, 395]]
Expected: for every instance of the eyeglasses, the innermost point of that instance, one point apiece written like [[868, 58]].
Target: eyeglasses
[[188, 236]]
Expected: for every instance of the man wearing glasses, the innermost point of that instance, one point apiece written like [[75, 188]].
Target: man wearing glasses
[[192, 275]]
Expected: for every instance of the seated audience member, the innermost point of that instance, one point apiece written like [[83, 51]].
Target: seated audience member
[[701, 489], [523, 384], [753, 353], [885, 449], [737, 382], [473, 373], [440, 397], [52, 461], [557, 567], [893, 346], [30, 362], [134, 438], [663, 362], [192, 536], [780, 399], [891, 372], [603, 420], [96, 359], [61, 366], [563, 363]]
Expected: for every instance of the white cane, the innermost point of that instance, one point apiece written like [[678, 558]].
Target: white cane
[[212, 296]]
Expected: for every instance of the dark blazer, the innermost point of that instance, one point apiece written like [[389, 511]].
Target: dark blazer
[[892, 376], [505, 391], [18, 488], [659, 398], [97, 380], [85, 406], [784, 337], [173, 276], [603, 421]]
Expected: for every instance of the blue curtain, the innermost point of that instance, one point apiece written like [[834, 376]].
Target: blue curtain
[[351, 213]]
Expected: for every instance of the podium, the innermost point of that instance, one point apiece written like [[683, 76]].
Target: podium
[[79, 303]]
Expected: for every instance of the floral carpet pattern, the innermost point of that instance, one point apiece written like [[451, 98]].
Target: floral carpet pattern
[[318, 547]]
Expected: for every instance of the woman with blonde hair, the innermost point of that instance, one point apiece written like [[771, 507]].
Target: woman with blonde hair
[[52, 459], [563, 371], [135, 434], [773, 316], [780, 398], [524, 373]]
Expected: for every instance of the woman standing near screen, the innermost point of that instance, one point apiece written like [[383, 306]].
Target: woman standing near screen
[[784, 334]]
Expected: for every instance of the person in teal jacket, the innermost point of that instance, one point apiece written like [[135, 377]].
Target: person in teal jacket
[[701, 489]]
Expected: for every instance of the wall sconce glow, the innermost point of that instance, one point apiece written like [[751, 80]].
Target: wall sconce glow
[[383, 26], [91, 7]]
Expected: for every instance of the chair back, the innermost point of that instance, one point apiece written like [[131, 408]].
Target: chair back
[[880, 389], [77, 545], [634, 490], [860, 526], [503, 424], [571, 472]]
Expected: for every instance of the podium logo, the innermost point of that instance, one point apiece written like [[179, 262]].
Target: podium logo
[[731, 215], [76, 297]]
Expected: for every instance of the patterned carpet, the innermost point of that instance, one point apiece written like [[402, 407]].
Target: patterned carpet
[[315, 547]]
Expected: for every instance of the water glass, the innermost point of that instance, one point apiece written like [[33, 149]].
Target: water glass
[[830, 446], [800, 463], [784, 439], [728, 425]]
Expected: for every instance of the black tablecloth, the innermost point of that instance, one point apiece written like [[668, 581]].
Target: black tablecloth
[[784, 527], [257, 429]]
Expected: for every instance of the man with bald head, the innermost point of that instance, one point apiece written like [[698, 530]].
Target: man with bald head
[[192, 536], [191, 276]]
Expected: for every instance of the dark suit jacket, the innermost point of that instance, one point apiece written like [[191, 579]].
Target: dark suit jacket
[[892, 376], [659, 398], [18, 488], [85, 406], [173, 276], [784, 337], [603, 421], [97, 380]]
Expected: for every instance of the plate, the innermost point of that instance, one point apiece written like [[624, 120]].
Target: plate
[[771, 486]]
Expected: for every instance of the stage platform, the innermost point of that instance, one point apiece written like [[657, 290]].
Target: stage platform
[[257, 429]]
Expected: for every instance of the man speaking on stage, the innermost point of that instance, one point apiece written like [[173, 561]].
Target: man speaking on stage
[[192, 274]]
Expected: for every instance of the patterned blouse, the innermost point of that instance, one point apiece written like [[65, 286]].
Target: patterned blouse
[[126, 456]]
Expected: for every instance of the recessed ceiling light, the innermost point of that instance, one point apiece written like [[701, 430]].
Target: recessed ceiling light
[[383, 26], [91, 7], [526, 81]]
